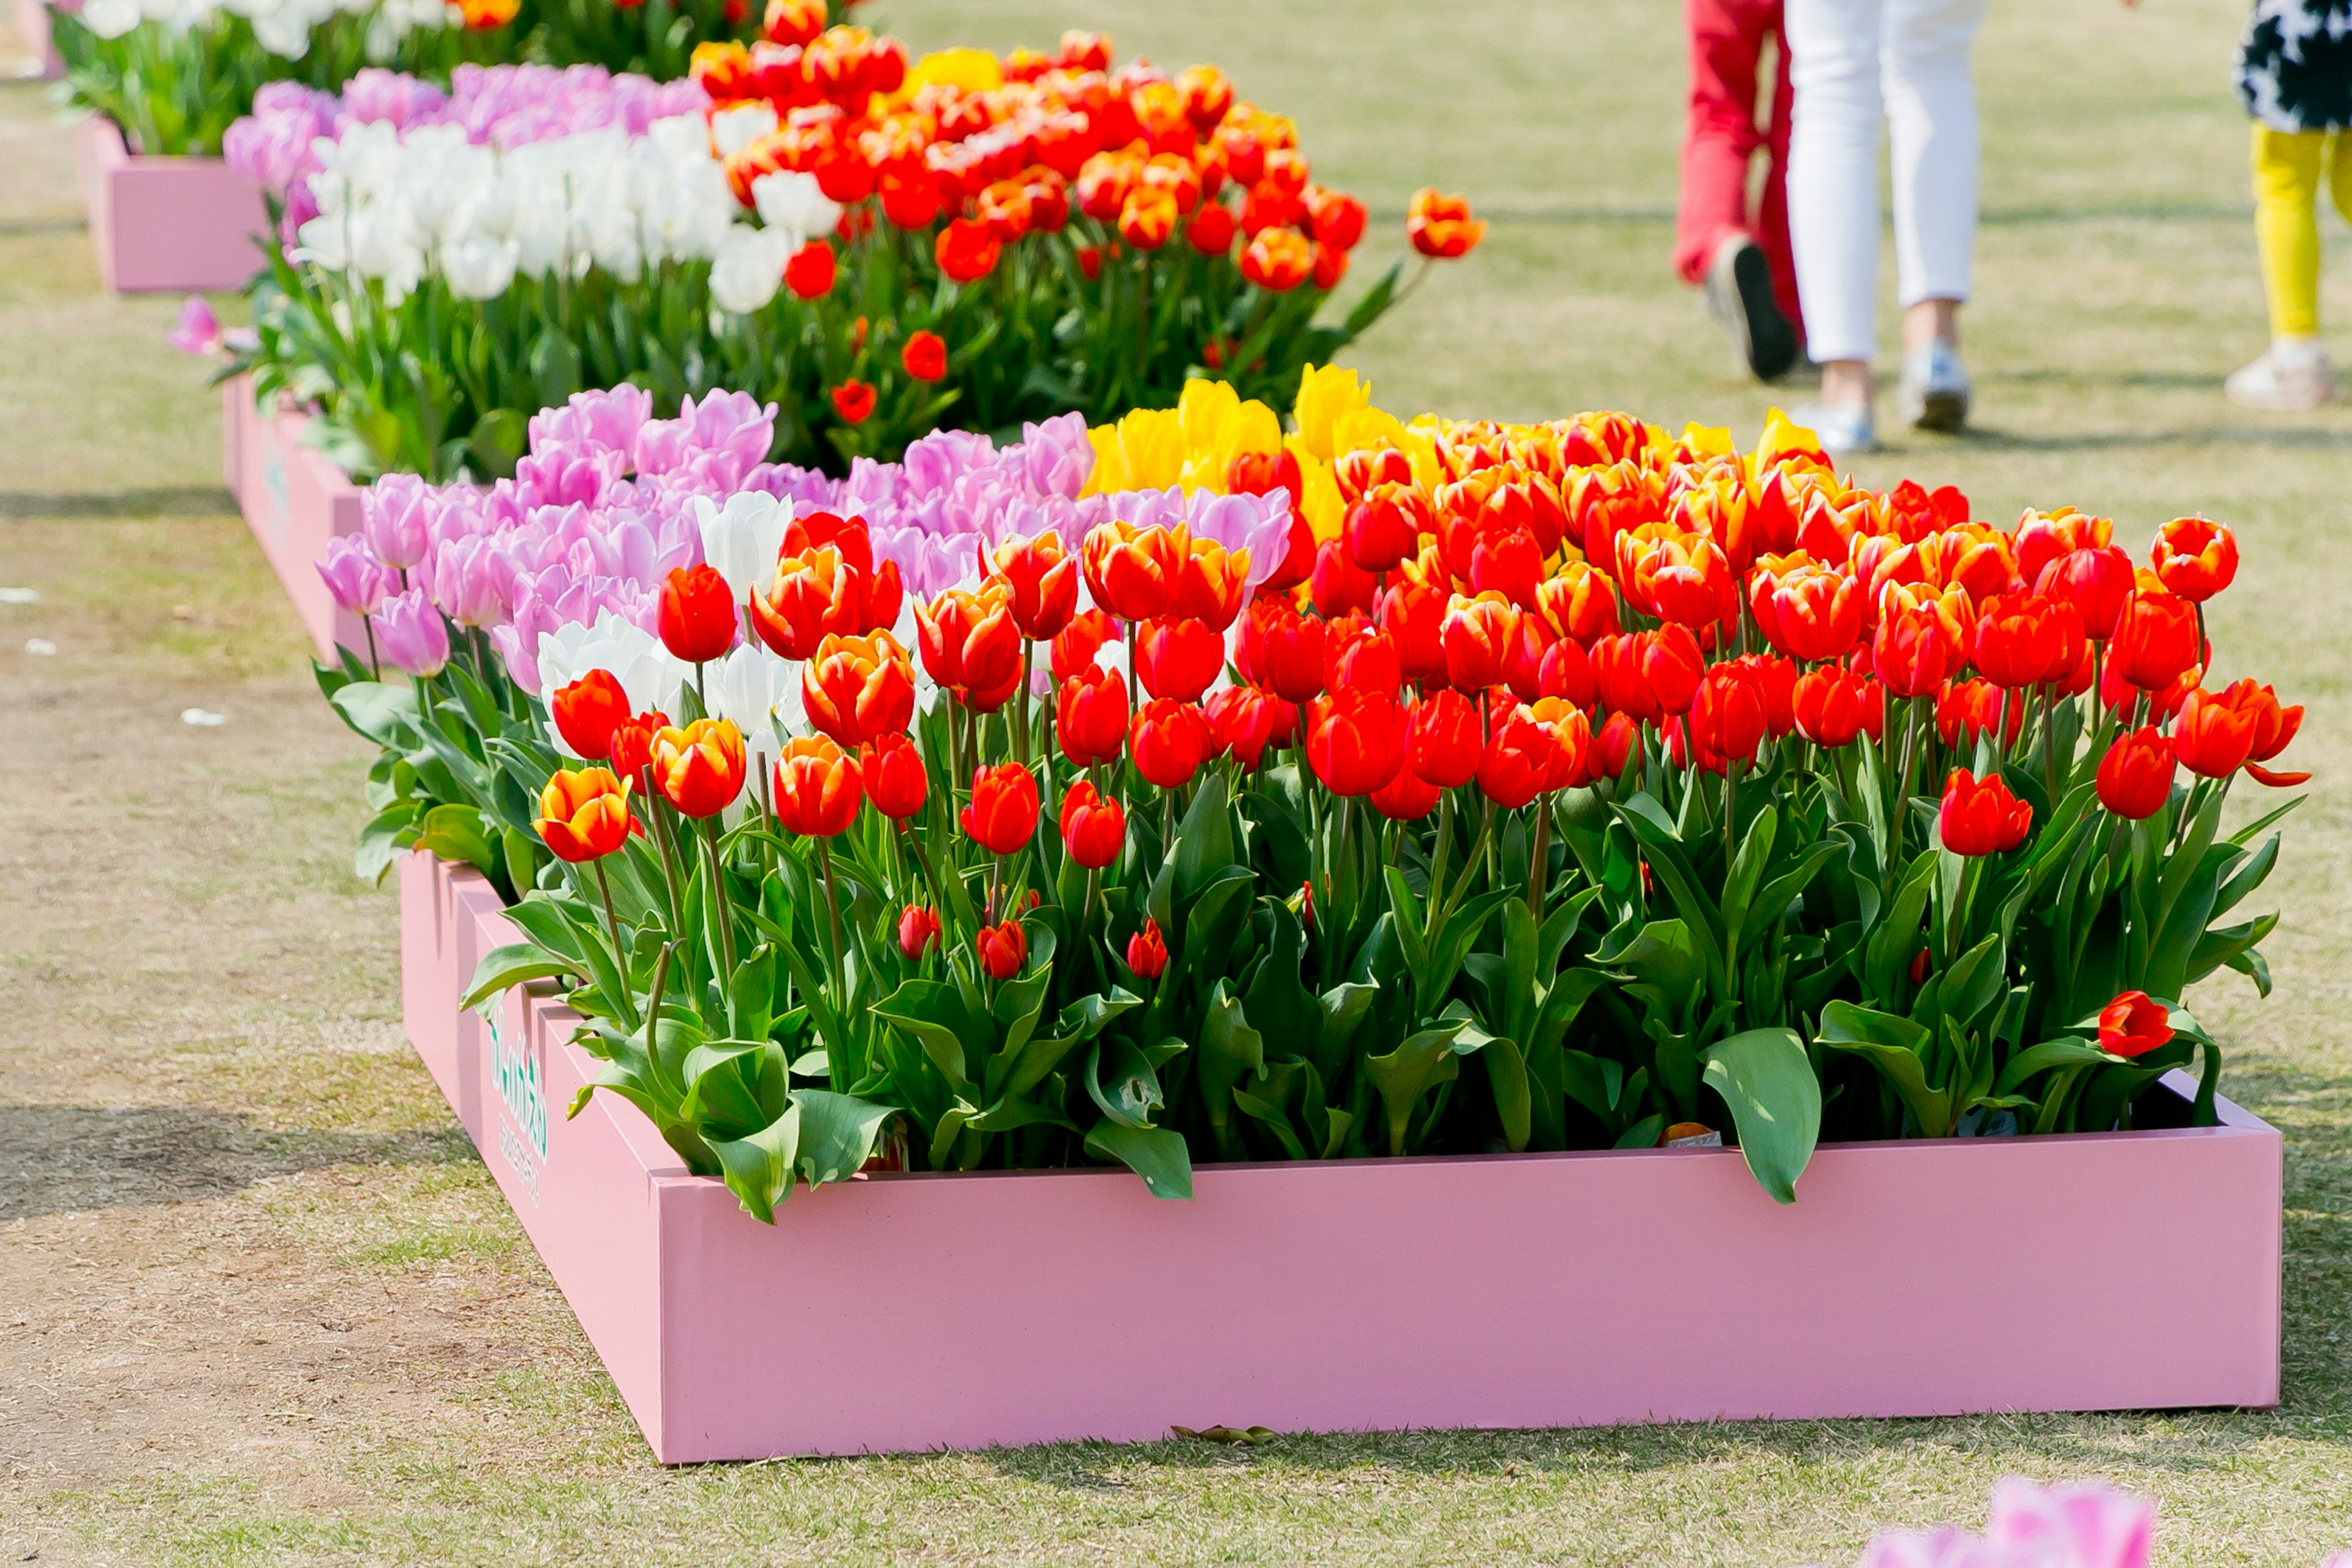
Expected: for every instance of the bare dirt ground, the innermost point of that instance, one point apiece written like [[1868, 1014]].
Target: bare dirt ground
[[260, 1303]]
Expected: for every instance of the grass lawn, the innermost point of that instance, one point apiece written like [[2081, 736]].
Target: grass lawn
[[258, 1300]]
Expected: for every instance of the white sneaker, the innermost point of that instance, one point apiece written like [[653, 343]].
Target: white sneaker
[[2283, 385], [1840, 427], [1934, 392]]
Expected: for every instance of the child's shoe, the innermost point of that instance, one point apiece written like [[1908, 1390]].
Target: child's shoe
[[2292, 376]]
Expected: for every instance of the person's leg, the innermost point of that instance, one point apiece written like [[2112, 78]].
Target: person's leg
[[2293, 374], [1714, 243], [1931, 114], [1772, 209], [1719, 130], [1833, 48]]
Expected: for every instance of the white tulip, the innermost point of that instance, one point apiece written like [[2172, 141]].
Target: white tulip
[[479, 267], [795, 204], [742, 540], [749, 269], [733, 130], [111, 18], [750, 686]]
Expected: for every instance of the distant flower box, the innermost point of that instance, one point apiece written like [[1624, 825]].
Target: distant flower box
[[1916, 1278], [33, 32], [295, 499], [166, 224]]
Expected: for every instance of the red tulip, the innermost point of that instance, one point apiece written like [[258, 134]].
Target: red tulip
[[1833, 706], [1615, 746], [1408, 797], [1147, 951], [1360, 657], [818, 787], [918, 931], [587, 711], [2135, 777], [1670, 664], [1003, 815], [2133, 1024], [854, 401], [1478, 634], [1075, 648], [1090, 716], [1178, 658], [966, 250], [1442, 742], [1965, 709], [1980, 817], [1385, 526], [925, 356], [2095, 580], [1520, 761], [1281, 650], [584, 815], [1579, 602], [1001, 949], [1338, 586], [1441, 226], [1094, 829], [2194, 558], [633, 742], [969, 642], [1566, 673], [1210, 583], [896, 780], [2021, 640], [2274, 727], [1727, 718], [1241, 721], [1169, 740], [810, 272], [1414, 615], [697, 614], [1806, 610], [1355, 740]]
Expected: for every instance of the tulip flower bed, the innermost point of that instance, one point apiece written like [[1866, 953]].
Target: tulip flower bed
[[1196, 793], [876, 247]]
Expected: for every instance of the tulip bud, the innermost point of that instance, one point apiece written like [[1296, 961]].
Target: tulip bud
[[2194, 558], [1980, 817], [2135, 777], [2132, 1025], [1094, 829], [895, 778], [818, 787], [1147, 951], [918, 931], [1002, 950], [584, 816], [587, 711], [1003, 815]]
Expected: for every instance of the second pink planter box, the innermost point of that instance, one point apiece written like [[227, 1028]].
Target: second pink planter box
[[2110, 1271], [166, 224], [295, 500]]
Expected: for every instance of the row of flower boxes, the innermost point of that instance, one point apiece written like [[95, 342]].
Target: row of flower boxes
[[295, 499], [909, 1311]]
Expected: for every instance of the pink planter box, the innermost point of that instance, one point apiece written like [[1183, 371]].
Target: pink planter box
[[33, 32], [919, 1311], [166, 224], [295, 500]]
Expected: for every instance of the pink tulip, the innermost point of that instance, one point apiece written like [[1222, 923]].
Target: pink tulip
[[199, 329], [355, 579], [410, 634]]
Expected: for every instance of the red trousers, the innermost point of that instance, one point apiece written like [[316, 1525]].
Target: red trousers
[[1721, 137]]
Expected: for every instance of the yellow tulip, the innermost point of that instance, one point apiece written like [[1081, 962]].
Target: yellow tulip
[[1362, 428], [1708, 440], [1320, 492], [1152, 441], [973, 70], [1325, 394], [1203, 411], [1110, 464]]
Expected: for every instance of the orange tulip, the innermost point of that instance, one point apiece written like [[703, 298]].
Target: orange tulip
[[584, 815], [1727, 718], [966, 250], [818, 787], [1132, 572], [2214, 734], [1178, 658], [2135, 777], [1003, 815], [1044, 582], [1980, 817], [1210, 583], [2273, 728], [1478, 634], [1965, 709], [1805, 609], [2096, 581], [1909, 654], [2194, 558], [2155, 639], [1441, 226], [1831, 706], [968, 639], [699, 769], [859, 688], [1579, 602], [1278, 259]]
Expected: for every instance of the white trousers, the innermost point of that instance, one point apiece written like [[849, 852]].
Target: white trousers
[[1853, 63]]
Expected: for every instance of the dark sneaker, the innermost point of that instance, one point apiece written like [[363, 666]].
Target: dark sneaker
[[1739, 294]]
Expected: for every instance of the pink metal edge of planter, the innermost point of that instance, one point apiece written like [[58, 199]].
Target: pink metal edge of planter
[[32, 32], [295, 499], [166, 224], [1911, 1279]]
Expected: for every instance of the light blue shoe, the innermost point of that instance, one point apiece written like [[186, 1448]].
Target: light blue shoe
[[1934, 391], [1841, 428]]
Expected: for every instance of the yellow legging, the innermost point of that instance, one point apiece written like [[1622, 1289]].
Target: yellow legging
[[2287, 219]]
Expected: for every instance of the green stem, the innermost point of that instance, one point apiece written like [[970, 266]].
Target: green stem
[[718, 915]]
